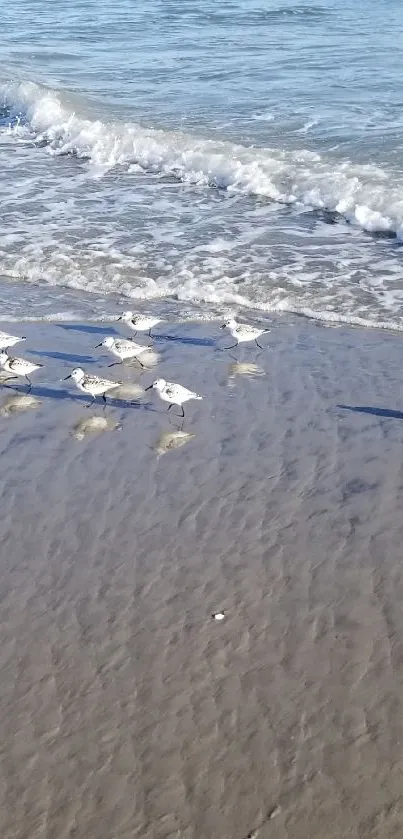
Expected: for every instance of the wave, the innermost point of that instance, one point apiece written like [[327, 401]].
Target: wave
[[365, 195], [210, 314], [252, 17]]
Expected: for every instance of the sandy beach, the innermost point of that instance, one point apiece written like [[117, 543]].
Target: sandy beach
[[125, 709]]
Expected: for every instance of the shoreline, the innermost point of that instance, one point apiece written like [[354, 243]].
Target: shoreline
[[76, 305], [124, 707]]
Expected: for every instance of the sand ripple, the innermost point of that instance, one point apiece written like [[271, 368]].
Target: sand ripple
[[125, 711]]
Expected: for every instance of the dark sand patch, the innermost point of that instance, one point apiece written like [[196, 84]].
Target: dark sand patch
[[125, 710]]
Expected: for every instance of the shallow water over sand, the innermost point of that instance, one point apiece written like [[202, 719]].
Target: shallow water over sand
[[125, 709]]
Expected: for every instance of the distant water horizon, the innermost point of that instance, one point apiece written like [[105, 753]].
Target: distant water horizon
[[232, 156]]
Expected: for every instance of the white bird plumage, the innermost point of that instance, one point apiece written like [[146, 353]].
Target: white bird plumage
[[173, 393], [243, 332], [122, 348], [7, 340], [94, 385], [139, 323], [18, 366]]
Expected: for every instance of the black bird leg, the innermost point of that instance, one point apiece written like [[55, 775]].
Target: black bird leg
[[179, 406], [8, 379]]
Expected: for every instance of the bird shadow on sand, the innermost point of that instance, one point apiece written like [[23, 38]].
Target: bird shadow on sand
[[43, 392], [87, 327], [72, 358], [183, 339], [385, 413]]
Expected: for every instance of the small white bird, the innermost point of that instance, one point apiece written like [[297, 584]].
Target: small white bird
[[139, 323], [18, 367], [172, 393], [93, 385], [243, 333], [7, 340], [123, 348]]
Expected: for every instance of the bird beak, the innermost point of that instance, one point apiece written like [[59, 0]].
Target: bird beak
[[223, 325], [67, 377], [98, 345], [120, 317], [148, 388]]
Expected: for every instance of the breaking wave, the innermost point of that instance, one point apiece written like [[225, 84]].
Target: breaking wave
[[367, 196]]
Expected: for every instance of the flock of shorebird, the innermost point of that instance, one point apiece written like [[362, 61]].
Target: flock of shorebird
[[122, 349]]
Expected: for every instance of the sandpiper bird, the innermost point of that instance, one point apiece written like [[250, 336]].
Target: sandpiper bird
[[243, 333], [123, 348], [173, 393], [18, 367], [139, 323], [93, 385], [7, 340]]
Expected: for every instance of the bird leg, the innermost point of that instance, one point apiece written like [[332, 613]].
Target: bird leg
[[179, 427], [90, 403], [114, 363], [8, 379], [231, 347], [176, 416], [258, 345], [29, 383], [179, 406], [137, 359]]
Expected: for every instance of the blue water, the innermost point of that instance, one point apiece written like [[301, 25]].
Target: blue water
[[211, 157]]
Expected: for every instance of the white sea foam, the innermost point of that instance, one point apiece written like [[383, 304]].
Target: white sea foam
[[201, 251], [365, 195]]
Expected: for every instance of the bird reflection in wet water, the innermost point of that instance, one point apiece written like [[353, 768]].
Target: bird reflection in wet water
[[170, 440], [17, 403], [243, 368], [93, 425]]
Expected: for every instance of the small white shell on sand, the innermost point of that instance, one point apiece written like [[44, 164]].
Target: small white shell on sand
[[218, 616]]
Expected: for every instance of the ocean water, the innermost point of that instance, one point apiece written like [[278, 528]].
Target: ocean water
[[202, 157]]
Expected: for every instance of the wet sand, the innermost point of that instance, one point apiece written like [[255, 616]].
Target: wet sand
[[125, 709]]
